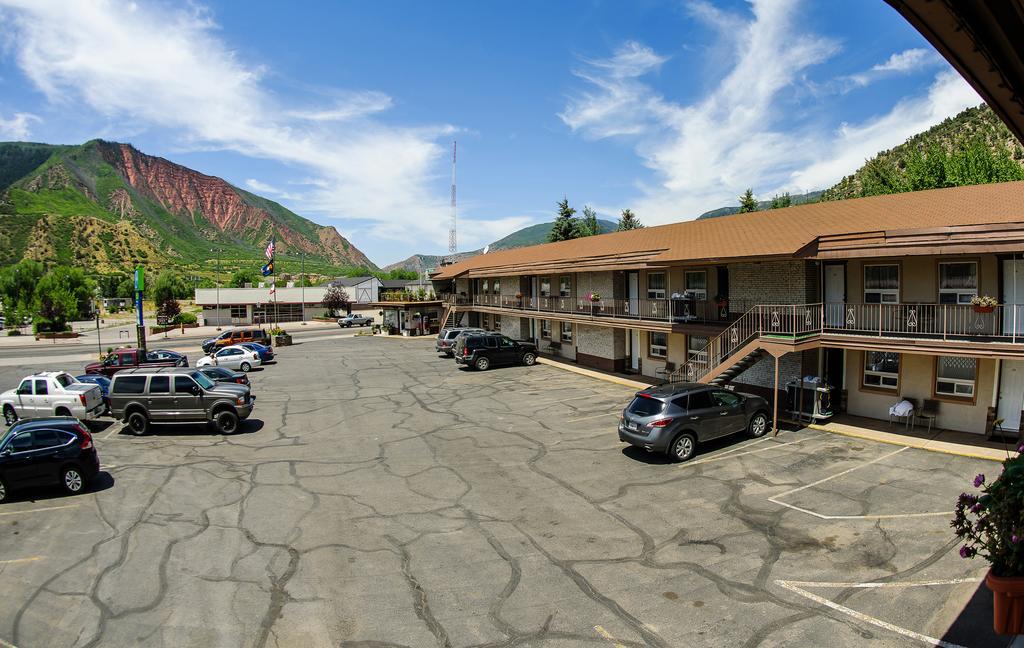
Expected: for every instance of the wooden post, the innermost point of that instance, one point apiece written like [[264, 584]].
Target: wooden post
[[775, 415]]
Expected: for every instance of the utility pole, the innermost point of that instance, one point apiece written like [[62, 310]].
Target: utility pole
[[218, 251], [302, 284], [99, 301], [452, 240]]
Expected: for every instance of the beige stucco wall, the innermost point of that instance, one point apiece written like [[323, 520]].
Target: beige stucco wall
[[919, 276], [917, 380]]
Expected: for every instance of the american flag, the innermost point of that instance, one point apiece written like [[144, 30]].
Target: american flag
[[273, 289], [270, 249]]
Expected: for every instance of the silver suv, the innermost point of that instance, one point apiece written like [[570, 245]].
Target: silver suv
[[446, 339], [177, 395]]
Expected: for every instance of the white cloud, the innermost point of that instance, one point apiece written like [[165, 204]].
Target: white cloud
[[17, 127], [911, 60], [168, 68], [704, 154]]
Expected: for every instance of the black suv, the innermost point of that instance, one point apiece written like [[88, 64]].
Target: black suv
[[45, 451], [674, 418], [482, 350]]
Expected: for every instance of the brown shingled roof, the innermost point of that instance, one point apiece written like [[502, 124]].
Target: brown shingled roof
[[766, 234]]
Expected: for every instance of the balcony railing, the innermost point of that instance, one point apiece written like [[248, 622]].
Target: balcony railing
[[678, 311], [935, 321]]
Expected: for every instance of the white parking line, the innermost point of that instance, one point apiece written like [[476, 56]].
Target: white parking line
[[114, 429], [607, 635], [39, 510], [797, 588], [20, 560], [775, 498]]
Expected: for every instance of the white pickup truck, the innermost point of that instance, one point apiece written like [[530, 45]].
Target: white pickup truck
[[52, 393]]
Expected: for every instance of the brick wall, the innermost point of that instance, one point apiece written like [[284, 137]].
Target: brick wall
[[774, 282]]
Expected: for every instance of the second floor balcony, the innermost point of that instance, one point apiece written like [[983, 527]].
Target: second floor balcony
[[667, 310]]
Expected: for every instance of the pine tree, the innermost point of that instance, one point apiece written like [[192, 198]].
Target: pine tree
[[588, 226], [785, 200], [747, 202], [564, 227], [628, 221]]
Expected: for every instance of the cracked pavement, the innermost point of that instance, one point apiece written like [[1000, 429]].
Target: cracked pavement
[[380, 496]]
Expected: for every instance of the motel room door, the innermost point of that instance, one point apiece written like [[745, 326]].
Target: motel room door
[[633, 295], [1013, 296], [835, 293], [1011, 394], [634, 350]]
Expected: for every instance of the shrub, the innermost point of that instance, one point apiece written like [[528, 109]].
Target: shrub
[[277, 330], [14, 332], [185, 318]]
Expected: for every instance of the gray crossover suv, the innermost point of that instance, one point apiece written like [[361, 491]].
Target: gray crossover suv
[[177, 395], [446, 339], [674, 418]]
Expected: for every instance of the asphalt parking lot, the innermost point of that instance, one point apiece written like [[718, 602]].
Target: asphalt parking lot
[[380, 496]]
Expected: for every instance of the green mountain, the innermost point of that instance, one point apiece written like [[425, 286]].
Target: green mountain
[[799, 199], [532, 235], [107, 207], [974, 147]]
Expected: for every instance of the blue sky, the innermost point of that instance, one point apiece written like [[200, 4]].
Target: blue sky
[[345, 112]]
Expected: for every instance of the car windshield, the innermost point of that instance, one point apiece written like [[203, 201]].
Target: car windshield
[[646, 406], [203, 381]]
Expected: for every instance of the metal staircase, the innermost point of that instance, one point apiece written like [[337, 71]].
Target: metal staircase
[[452, 317], [743, 342]]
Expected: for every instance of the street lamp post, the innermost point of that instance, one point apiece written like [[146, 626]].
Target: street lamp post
[[99, 301], [218, 251], [302, 284]]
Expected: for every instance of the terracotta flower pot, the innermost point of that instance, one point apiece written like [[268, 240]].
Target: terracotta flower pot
[[984, 309], [1007, 603]]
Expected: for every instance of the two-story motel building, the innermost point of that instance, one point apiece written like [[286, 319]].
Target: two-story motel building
[[873, 295]]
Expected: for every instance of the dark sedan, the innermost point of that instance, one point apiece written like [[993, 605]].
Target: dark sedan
[[47, 451], [180, 359], [674, 418], [224, 375]]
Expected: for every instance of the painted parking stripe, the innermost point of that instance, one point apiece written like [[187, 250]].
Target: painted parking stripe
[[607, 635], [20, 560], [888, 516], [40, 510], [797, 588]]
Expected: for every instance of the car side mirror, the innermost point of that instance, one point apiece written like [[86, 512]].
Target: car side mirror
[[196, 391], [5, 452]]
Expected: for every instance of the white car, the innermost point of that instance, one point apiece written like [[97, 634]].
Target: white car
[[51, 393], [231, 357]]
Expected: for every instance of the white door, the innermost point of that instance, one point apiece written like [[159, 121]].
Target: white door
[[835, 294], [634, 349], [1013, 291], [633, 307], [1011, 393]]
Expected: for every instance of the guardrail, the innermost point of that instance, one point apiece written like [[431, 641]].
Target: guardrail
[[678, 311]]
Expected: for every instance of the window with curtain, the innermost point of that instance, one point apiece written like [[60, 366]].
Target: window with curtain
[[496, 287], [484, 286], [657, 344], [564, 286], [566, 331], [881, 369], [545, 286], [655, 285], [882, 284], [958, 282], [545, 329], [696, 283], [955, 376], [696, 347]]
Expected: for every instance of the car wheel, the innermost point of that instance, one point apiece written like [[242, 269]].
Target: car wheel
[[10, 416], [62, 411], [3, 491], [758, 425], [72, 481], [529, 359], [245, 367], [683, 447], [226, 421], [138, 423], [482, 364]]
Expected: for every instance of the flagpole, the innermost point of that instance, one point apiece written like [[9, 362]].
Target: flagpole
[[273, 266]]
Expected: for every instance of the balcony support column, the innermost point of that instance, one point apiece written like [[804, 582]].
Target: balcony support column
[[775, 406]]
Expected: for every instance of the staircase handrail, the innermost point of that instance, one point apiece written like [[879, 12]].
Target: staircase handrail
[[762, 319]]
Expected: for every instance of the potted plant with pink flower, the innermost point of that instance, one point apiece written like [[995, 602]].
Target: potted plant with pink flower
[[991, 524]]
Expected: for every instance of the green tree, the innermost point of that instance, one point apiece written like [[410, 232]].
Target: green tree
[[169, 285], [628, 221], [62, 295], [242, 277], [747, 202], [785, 200], [564, 227], [588, 225], [18, 288]]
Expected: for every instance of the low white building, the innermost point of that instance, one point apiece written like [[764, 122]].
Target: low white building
[[240, 306], [361, 290]]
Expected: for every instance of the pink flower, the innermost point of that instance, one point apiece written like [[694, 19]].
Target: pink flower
[[975, 508], [979, 480], [966, 552]]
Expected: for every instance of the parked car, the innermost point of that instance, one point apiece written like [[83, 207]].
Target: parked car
[[221, 374], [264, 351], [126, 359], [104, 384], [180, 359], [446, 339], [485, 350], [233, 357], [352, 319], [51, 393], [674, 419], [45, 451], [177, 395], [237, 336], [2, 322]]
